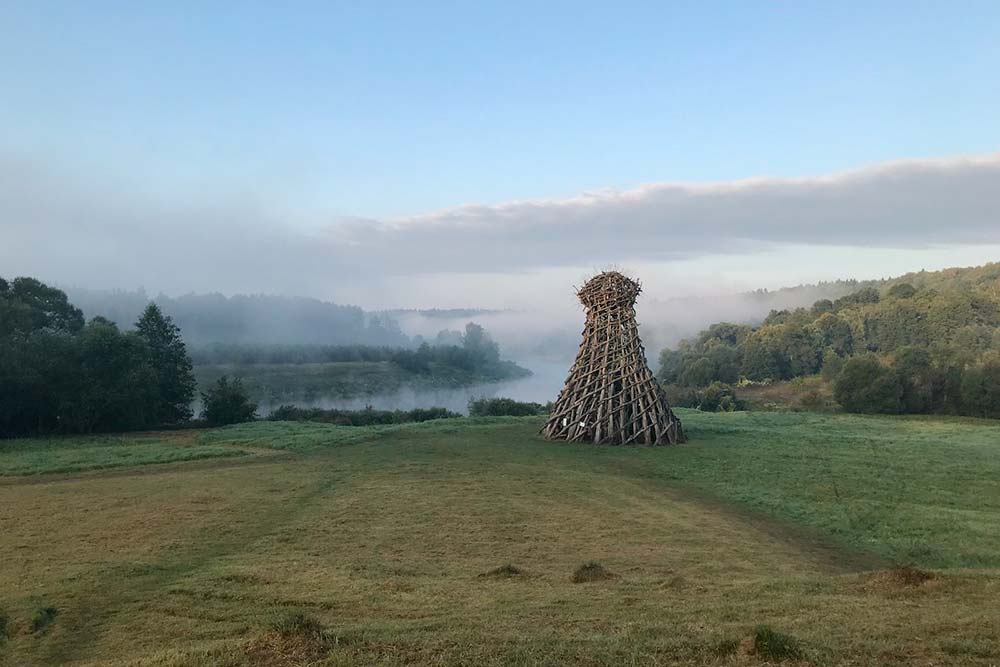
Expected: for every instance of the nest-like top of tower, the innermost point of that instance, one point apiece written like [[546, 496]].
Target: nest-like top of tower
[[609, 287]]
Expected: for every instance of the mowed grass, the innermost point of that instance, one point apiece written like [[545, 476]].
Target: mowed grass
[[79, 453], [917, 490], [457, 542]]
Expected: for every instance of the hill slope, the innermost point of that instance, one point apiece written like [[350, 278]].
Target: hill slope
[[925, 342]]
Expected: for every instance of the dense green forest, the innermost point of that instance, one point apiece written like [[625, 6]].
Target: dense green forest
[[926, 342], [60, 373]]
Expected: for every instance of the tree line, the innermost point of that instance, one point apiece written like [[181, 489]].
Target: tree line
[[473, 351], [59, 373], [926, 344], [250, 354]]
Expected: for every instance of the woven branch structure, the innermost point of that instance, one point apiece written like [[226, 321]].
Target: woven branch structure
[[610, 395]]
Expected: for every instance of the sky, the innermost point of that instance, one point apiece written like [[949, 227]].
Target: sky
[[493, 154]]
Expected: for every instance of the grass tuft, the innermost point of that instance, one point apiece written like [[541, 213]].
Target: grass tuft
[[770, 644], [591, 571], [294, 638], [503, 572], [43, 618], [726, 648], [296, 623]]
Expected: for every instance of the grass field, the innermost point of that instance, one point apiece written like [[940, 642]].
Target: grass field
[[324, 545], [77, 454]]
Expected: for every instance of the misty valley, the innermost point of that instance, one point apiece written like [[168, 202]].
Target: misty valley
[[333, 473], [490, 334], [79, 360]]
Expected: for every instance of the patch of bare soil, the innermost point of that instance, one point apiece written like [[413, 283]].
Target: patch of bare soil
[[278, 649], [899, 579]]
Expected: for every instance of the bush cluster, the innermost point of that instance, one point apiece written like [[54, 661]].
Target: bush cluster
[[716, 397], [366, 417], [913, 383], [227, 402], [506, 407]]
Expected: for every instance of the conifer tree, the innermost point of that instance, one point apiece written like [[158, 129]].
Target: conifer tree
[[175, 379]]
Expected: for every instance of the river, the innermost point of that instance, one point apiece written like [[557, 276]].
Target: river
[[541, 386]]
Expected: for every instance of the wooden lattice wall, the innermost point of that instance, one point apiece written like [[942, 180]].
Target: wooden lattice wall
[[610, 395]]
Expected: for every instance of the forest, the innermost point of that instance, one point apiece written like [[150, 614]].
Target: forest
[[59, 373], [63, 373], [926, 342]]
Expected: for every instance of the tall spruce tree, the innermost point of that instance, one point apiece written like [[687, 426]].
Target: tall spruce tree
[[172, 364]]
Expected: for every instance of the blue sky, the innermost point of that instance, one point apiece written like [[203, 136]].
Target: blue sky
[[382, 153], [392, 109]]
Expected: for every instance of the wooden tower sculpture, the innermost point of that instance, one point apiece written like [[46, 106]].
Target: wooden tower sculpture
[[610, 395]]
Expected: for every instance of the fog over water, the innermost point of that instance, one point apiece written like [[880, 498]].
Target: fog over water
[[541, 387]]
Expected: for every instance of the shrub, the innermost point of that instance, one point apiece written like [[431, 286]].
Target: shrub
[[590, 571], [718, 397], [297, 623], [43, 618], [505, 407], [366, 417], [681, 397], [772, 645], [228, 403], [5, 628], [865, 385]]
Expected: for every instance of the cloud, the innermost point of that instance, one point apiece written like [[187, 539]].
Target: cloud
[[906, 204], [65, 229]]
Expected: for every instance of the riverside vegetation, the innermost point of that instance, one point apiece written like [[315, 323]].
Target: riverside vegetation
[[304, 372], [62, 374]]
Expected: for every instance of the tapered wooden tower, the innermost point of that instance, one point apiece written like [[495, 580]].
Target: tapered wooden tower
[[611, 396]]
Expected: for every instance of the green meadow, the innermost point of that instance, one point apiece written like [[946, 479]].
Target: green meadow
[[770, 538]]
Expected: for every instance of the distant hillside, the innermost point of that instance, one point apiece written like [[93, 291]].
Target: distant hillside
[[665, 322], [922, 342], [982, 279], [207, 319]]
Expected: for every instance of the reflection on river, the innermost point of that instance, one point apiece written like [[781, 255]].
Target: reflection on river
[[541, 387]]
